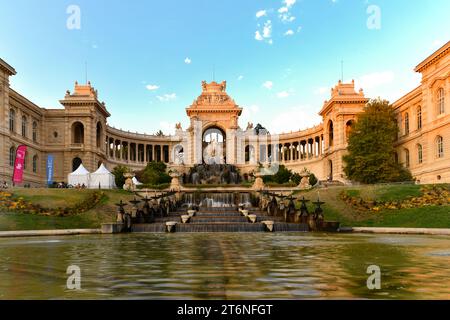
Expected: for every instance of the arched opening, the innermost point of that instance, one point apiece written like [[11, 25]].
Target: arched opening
[[214, 146], [12, 156], [12, 120], [406, 123], [99, 135], [249, 154], [419, 154], [441, 101], [348, 128], [419, 118], [35, 163], [178, 154], [77, 132], [35, 131], [439, 147], [24, 126], [407, 159], [76, 162], [330, 133]]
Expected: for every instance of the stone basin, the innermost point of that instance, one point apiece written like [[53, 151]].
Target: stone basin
[[252, 218], [170, 226], [185, 218], [191, 213], [269, 225]]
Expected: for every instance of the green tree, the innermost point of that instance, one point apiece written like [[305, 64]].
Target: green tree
[[154, 174], [371, 151], [283, 175], [118, 173]]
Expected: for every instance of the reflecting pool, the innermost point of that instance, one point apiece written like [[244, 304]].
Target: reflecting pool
[[226, 266]]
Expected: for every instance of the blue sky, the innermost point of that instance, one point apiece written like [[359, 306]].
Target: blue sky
[[280, 58]]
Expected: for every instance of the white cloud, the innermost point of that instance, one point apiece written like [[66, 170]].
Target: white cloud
[[261, 13], [289, 3], [249, 114], [167, 97], [321, 91], [294, 119], [152, 87], [374, 80], [265, 33], [283, 94], [267, 30], [240, 77], [268, 85], [289, 33], [284, 14], [437, 44], [187, 61], [287, 17], [167, 128]]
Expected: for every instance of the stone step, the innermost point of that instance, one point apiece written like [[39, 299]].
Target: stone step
[[221, 227]]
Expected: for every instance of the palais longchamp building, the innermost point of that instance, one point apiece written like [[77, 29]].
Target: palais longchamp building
[[79, 132]]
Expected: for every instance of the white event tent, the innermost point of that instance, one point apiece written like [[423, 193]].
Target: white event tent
[[102, 179], [136, 182], [79, 177]]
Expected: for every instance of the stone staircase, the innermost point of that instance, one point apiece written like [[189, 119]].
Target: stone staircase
[[219, 220]]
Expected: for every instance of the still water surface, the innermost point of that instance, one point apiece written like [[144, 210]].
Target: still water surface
[[226, 266]]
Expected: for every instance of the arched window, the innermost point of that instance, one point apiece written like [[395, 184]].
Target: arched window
[[77, 132], [441, 101], [419, 154], [439, 147], [76, 162], [407, 159], [330, 133], [12, 155], [406, 123], [24, 126], [99, 134], [35, 133], [35, 163], [348, 128], [12, 120], [419, 117]]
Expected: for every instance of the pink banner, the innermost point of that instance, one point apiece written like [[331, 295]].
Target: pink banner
[[18, 165]]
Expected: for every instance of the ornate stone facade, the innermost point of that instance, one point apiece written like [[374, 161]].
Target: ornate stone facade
[[80, 133]]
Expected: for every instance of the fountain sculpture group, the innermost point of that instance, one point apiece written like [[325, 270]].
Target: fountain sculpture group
[[158, 205], [286, 208], [271, 211]]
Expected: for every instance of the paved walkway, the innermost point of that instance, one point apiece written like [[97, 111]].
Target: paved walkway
[[428, 231], [42, 233]]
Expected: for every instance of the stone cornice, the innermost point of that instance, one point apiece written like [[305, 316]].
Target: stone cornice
[[437, 55], [14, 95], [408, 97], [7, 68], [139, 136]]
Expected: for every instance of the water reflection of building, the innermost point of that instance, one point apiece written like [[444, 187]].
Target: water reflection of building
[[79, 132]]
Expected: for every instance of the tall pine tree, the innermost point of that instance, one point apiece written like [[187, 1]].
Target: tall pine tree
[[370, 157]]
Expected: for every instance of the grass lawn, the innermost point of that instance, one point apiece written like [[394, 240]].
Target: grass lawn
[[105, 211], [335, 208]]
